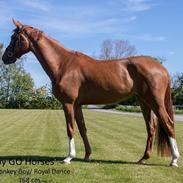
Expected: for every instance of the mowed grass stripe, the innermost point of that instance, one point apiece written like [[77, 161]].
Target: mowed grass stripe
[[104, 124], [34, 134], [121, 124], [52, 133], [11, 118], [114, 136], [11, 130], [32, 141], [19, 130], [15, 119]]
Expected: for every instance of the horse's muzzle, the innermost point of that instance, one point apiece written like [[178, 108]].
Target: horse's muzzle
[[8, 58]]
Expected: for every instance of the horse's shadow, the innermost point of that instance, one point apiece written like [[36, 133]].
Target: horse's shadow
[[118, 162], [37, 158]]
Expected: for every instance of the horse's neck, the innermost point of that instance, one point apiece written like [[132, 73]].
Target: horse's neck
[[51, 56]]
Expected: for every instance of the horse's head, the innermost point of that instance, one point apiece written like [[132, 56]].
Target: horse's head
[[21, 42]]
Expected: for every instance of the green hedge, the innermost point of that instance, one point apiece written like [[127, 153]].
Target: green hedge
[[128, 108], [137, 109]]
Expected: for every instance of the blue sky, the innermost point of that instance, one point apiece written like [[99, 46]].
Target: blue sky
[[153, 26]]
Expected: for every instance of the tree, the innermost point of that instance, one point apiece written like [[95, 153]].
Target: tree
[[160, 59], [44, 99], [116, 49], [1, 50], [22, 89], [178, 89], [16, 86]]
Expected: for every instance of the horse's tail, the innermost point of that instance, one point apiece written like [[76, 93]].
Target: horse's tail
[[163, 144]]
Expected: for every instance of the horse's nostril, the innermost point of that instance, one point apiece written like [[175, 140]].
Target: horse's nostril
[[9, 54]]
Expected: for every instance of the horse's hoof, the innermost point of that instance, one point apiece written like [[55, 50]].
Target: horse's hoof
[[174, 164], [87, 160], [141, 162], [67, 160]]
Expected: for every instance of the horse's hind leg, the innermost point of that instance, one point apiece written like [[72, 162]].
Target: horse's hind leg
[[166, 131], [150, 121], [83, 131], [167, 125]]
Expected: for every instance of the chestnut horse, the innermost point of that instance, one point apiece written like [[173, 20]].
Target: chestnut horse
[[78, 79]]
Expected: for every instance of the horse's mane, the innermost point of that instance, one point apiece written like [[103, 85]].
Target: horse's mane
[[59, 44], [80, 54], [77, 53]]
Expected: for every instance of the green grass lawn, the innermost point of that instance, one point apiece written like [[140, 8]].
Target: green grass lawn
[[117, 142]]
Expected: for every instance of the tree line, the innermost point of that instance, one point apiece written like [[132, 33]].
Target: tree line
[[17, 88]]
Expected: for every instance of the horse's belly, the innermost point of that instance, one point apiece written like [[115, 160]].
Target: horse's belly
[[100, 96], [103, 100]]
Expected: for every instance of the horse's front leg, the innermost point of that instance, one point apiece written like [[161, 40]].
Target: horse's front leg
[[83, 131], [69, 116]]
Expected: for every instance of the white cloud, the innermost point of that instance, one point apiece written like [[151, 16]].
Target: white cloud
[[5, 14], [75, 27], [146, 37], [65, 19], [39, 5], [138, 5], [130, 19], [171, 52], [75, 19]]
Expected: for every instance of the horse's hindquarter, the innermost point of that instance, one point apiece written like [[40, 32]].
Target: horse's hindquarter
[[147, 72], [105, 82]]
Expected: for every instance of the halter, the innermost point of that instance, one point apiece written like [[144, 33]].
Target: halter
[[11, 47]]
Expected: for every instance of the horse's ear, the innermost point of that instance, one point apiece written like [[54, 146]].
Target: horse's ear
[[17, 23]]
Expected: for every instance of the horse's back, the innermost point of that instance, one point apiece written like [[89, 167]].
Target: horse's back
[[105, 82]]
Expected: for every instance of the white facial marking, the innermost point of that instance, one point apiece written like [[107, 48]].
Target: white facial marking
[[72, 151], [175, 151]]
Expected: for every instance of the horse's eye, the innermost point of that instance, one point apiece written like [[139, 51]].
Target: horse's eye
[[13, 36]]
